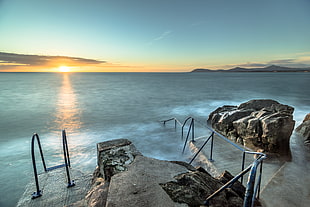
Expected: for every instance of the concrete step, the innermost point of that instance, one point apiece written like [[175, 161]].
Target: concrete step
[[54, 187]]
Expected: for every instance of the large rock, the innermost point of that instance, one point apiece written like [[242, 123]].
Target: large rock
[[304, 129], [124, 177], [257, 124]]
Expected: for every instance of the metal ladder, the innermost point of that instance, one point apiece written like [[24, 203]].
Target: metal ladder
[[66, 164]]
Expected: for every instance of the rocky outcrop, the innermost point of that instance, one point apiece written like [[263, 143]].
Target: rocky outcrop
[[257, 124], [304, 129], [124, 177]]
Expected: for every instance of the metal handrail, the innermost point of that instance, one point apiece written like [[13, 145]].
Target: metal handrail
[[251, 188], [190, 129], [71, 183], [243, 150], [251, 191], [38, 193], [67, 158], [227, 185], [176, 121], [211, 136], [184, 123]]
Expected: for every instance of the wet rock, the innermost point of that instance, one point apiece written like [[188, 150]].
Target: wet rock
[[304, 129], [194, 187], [237, 186], [257, 124]]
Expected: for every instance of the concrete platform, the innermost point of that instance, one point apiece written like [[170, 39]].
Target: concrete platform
[[55, 191], [284, 183], [140, 184]]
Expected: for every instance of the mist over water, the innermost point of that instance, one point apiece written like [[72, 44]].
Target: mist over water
[[95, 107]]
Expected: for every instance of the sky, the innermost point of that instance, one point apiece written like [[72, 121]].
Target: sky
[[152, 35]]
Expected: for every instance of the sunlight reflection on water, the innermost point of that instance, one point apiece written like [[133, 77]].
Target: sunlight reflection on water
[[68, 113], [67, 117]]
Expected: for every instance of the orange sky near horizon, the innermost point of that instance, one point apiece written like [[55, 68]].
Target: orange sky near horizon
[[90, 68], [157, 36], [12, 62]]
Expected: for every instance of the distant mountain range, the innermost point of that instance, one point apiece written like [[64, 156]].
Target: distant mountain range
[[272, 68]]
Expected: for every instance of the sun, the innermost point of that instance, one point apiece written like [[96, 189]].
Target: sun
[[64, 69]]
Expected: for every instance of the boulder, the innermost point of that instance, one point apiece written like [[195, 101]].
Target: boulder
[[257, 124], [124, 177], [304, 129]]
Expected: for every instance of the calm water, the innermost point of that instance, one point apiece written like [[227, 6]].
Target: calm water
[[95, 107]]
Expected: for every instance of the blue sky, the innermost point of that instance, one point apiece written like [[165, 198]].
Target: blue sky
[[156, 35]]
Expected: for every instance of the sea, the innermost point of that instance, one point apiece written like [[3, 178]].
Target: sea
[[96, 107]]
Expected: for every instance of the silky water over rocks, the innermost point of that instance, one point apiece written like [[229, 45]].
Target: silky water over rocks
[[95, 107]]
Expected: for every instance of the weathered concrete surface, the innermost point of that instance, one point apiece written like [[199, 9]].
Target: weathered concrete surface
[[115, 156], [139, 186], [130, 179], [257, 124], [290, 185], [55, 191], [124, 177]]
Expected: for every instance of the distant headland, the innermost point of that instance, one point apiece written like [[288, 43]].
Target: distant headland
[[272, 68]]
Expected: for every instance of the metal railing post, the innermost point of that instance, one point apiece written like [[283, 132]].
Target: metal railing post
[[227, 185], [211, 146], [200, 149], [175, 124], [38, 193], [189, 130], [67, 158], [250, 188], [260, 174], [242, 165], [193, 130], [182, 135], [184, 125]]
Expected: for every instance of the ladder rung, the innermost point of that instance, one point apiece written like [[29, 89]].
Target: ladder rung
[[55, 167]]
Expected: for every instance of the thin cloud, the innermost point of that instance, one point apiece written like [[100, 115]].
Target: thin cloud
[[13, 59], [160, 37], [300, 62], [163, 35], [242, 65], [253, 65], [42, 63], [283, 61]]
